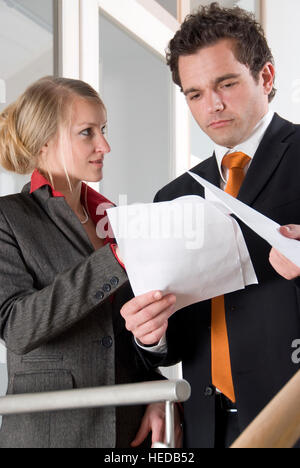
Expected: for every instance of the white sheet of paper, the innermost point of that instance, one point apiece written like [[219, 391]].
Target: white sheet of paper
[[263, 226], [187, 247], [2, 353]]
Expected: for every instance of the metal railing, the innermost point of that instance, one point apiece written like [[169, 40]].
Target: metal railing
[[168, 391]]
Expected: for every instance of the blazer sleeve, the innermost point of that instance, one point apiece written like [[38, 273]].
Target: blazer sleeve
[[30, 317]]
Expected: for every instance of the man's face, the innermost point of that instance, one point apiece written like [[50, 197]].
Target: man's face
[[224, 98]]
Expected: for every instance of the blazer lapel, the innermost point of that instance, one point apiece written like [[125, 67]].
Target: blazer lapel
[[266, 159], [69, 224], [61, 214]]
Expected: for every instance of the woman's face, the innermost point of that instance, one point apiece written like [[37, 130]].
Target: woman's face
[[83, 147]]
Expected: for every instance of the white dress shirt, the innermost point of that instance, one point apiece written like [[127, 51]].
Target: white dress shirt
[[249, 147]]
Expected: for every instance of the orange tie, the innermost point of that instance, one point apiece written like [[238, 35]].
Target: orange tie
[[221, 365]]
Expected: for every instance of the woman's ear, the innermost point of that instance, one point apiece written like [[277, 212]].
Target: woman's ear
[[44, 150]]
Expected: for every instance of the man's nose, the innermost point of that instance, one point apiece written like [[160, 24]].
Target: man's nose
[[214, 102]]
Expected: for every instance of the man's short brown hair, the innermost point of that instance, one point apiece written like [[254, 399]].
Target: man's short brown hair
[[211, 24]]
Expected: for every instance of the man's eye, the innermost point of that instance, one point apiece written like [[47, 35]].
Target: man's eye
[[194, 97], [229, 85]]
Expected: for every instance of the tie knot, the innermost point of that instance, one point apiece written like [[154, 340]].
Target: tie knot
[[236, 160]]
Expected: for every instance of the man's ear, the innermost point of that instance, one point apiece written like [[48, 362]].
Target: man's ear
[[268, 77]]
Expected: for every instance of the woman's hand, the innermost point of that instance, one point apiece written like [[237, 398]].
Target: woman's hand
[[147, 316], [279, 262], [154, 421]]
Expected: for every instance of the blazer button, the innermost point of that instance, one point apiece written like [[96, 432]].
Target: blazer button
[[209, 391], [114, 281], [107, 341], [106, 288], [99, 295]]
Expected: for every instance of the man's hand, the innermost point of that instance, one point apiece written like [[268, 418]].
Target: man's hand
[[154, 420], [147, 316], [281, 264]]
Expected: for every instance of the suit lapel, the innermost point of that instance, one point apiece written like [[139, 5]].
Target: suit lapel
[[209, 171], [266, 159]]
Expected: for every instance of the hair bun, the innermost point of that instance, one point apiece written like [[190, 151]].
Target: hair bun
[[14, 156]]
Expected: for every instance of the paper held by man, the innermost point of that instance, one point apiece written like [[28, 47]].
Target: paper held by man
[[188, 247], [263, 226], [191, 246]]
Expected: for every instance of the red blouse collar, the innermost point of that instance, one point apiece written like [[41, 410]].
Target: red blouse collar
[[94, 202]]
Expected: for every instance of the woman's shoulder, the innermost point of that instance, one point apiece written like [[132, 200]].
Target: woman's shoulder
[[16, 200]]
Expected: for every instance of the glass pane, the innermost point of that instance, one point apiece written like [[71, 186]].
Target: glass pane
[[26, 51], [169, 5], [136, 89]]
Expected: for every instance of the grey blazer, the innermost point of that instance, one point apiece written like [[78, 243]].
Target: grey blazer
[[60, 324]]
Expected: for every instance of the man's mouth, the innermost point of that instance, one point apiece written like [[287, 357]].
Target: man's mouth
[[219, 123]]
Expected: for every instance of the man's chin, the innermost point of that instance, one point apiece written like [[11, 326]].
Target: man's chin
[[228, 141]]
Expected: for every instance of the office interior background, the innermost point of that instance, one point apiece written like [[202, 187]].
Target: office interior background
[[118, 47]]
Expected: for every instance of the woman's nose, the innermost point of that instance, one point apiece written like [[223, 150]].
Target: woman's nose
[[102, 144]]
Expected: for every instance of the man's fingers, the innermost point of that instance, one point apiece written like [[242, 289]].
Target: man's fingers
[[140, 302], [291, 230], [142, 434], [147, 313], [283, 266], [153, 337], [150, 320], [156, 323], [158, 431]]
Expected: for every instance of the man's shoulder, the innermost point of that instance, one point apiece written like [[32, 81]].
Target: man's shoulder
[[185, 184], [282, 128]]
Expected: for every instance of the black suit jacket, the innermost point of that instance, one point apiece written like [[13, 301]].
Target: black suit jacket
[[263, 320]]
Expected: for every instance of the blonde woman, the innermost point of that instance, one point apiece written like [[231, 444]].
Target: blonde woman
[[62, 286]]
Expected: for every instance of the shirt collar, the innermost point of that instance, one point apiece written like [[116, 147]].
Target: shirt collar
[[38, 181], [94, 202], [249, 146]]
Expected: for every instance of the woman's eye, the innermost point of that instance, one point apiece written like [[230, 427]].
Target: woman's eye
[[104, 130], [86, 132]]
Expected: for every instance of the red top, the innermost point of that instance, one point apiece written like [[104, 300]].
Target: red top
[[94, 202]]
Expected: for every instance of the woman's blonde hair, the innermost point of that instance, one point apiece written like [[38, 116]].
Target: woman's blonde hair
[[36, 117]]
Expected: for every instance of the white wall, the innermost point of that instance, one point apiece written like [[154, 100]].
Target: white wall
[[283, 33], [136, 89]]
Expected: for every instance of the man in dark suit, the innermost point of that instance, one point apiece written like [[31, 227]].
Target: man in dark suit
[[236, 350]]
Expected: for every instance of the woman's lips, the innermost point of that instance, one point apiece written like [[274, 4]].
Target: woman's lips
[[99, 162]]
